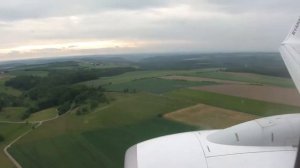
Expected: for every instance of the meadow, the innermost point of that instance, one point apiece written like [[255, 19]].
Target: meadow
[[8, 90], [10, 131], [12, 113], [247, 77], [131, 76], [102, 137], [250, 106], [139, 101], [209, 117], [154, 85]]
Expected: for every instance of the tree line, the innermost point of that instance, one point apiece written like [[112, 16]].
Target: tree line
[[59, 89]]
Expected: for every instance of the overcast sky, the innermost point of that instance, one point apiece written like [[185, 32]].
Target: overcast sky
[[41, 28]]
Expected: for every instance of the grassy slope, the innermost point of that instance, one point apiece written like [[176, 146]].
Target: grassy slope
[[154, 85], [131, 76], [250, 106], [12, 113], [43, 115], [8, 90], [96, 148], [10, 132], [207, 73], [101, 137], [33, 73], [247, 77]]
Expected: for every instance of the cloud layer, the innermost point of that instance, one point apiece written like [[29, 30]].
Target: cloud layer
[[29, 27]]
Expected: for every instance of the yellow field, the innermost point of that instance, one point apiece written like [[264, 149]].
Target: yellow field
[[209, 117]]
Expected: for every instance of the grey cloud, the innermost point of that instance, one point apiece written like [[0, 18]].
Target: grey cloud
[[242, 26], [242, 6], [28, 9]]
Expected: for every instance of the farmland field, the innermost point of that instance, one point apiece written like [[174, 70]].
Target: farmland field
[[155, 85], [33, 73], [10, 132], [96, 133], [247, 77], [12, 113], [263, 93], [131, 76], [8, 90], [107, 105], [250, 106], [209, 117], [96, 148], [43, 115], [200, 79]]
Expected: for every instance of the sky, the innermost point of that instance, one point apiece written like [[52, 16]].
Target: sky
[[47, 28]]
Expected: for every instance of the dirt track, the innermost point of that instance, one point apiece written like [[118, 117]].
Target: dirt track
[[273, 94], [209, 117]]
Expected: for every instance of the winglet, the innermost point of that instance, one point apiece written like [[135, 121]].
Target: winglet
[[294, 33], [290, 52]]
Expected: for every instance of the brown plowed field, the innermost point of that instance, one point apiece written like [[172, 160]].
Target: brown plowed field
[[209, 117], [273, 94]]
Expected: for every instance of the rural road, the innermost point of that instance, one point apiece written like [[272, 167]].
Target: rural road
[[39, 123]]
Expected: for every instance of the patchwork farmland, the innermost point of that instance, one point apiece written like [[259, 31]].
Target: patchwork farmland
[[288, 96], [139, 104]]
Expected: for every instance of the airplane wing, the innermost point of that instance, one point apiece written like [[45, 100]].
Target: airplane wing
[[290, 52], [269, 142]]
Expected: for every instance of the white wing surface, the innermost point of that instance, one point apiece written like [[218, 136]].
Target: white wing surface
[[290, 52]]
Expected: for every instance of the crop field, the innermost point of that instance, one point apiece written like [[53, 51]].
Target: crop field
[[288, 96], [91, 65], [131, 76], [96, 148], [31, 73], [155, 85], [43, 115], [12, 113], [209, 117], [246, 77], [250, 106], [10, 132], [200, 79], [101, 137], [8, 90], [139, 105]]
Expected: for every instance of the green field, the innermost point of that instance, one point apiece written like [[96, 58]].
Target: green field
[[131, 76], [43, 115], [246, 77], [154, 85], [8, 90], [31, 73], [250, 106], [99, 65], [205, 73], [10, 132], [97, 148], [12, 113], [101, 137]]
